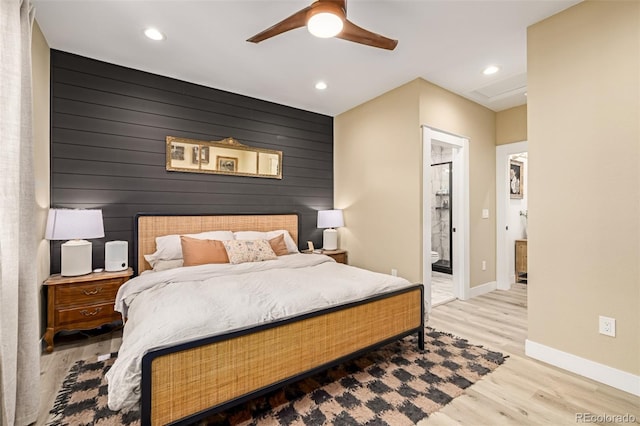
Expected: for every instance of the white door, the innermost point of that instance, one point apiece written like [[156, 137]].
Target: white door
[[460, 208]]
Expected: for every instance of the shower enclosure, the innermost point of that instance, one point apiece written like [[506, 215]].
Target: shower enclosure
[[441, 214]]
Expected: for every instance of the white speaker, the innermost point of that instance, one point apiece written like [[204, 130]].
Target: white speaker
[[116, 256]]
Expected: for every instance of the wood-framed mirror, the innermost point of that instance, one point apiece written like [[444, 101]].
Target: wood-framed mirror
[[223, 157]]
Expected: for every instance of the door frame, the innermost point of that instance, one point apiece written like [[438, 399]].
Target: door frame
[[502, 205], [460, 206]]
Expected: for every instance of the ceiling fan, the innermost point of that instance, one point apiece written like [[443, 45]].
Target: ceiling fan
[[327, 18]]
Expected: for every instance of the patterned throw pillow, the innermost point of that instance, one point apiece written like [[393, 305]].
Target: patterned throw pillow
[[240, 251], [258, 235]]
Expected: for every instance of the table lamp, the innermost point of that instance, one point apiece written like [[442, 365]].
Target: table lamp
[[330, 219], [75, 226]]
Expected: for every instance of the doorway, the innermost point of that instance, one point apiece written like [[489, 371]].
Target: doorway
[[458, 206], [511, 212], [441, 214]]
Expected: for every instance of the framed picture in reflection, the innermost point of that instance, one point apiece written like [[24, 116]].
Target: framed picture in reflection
[[227, 164], [516, 179]]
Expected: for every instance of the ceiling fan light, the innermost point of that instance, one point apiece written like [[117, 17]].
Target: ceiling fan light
[[325, 24]]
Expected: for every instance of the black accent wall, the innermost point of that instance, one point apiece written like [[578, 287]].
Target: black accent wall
[[108, 130]]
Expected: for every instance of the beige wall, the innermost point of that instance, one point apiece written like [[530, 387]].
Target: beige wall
[[584, 181], [511, 125], [377, 169], [378, 177], [40, 79]]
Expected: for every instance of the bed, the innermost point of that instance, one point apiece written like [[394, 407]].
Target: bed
[[189, 380]]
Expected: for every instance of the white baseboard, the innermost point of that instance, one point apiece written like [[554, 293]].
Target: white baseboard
[[599, 372], [482, 289]]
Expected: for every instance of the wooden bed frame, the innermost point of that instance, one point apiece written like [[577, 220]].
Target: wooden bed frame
[[187, 382]]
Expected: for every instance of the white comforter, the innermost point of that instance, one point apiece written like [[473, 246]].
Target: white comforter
[[181, 304]]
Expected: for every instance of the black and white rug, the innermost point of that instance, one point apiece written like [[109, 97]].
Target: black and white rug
[[395, 385]]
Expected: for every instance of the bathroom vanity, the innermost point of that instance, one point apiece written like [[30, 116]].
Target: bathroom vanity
[[521, 261]]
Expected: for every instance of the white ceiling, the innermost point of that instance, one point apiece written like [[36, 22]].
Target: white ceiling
[[447, 42]]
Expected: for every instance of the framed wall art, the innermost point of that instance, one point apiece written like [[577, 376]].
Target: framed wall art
[[516, 179]]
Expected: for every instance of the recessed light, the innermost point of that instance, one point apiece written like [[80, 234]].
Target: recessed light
[[491, 69], [321, 85], [154, 34]]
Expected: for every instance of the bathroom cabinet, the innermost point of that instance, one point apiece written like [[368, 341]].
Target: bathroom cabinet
[[521, 261]]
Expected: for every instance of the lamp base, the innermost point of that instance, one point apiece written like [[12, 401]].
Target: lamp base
[[75, 258], [330, 239]]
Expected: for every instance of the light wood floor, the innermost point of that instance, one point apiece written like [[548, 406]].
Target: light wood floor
[[441, 288], [520, 392], [68, 350]]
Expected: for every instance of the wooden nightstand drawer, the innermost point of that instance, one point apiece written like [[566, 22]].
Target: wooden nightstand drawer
[[79, 316], [340, 258], [82, 294], [83, 302], [338, 255]]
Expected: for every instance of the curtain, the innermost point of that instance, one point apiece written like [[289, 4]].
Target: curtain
[[19, 312]]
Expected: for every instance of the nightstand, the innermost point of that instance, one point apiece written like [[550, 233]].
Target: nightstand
[[339, 256], [83, 302]]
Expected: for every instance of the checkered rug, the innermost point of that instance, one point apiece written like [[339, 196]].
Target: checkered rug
[[395, 385]]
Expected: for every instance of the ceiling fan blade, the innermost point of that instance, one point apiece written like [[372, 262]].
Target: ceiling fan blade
[[354, 33], [297, 20]]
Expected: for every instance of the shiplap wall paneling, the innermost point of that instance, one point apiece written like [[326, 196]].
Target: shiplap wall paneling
[[108, 130]]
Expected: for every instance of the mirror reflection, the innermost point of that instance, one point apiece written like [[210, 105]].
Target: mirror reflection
[[227, 156]]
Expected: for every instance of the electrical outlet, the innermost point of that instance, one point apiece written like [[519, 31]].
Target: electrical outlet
[[394, 272], [607, 326], [484, 265]]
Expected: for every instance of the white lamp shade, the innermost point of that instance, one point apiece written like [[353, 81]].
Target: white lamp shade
[[68, 224], [330, 219]]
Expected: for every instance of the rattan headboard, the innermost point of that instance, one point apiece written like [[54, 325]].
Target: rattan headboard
[[150, 226]]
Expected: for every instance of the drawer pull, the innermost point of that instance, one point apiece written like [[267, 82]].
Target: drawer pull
[[92, 292], [92, 313]]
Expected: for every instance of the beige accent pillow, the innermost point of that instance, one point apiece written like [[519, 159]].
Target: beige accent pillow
[[241, 251], [278, 245], [200, 252]]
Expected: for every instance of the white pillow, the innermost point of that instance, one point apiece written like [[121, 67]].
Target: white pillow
[[168, 247], [257, 235], [164, 265]]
